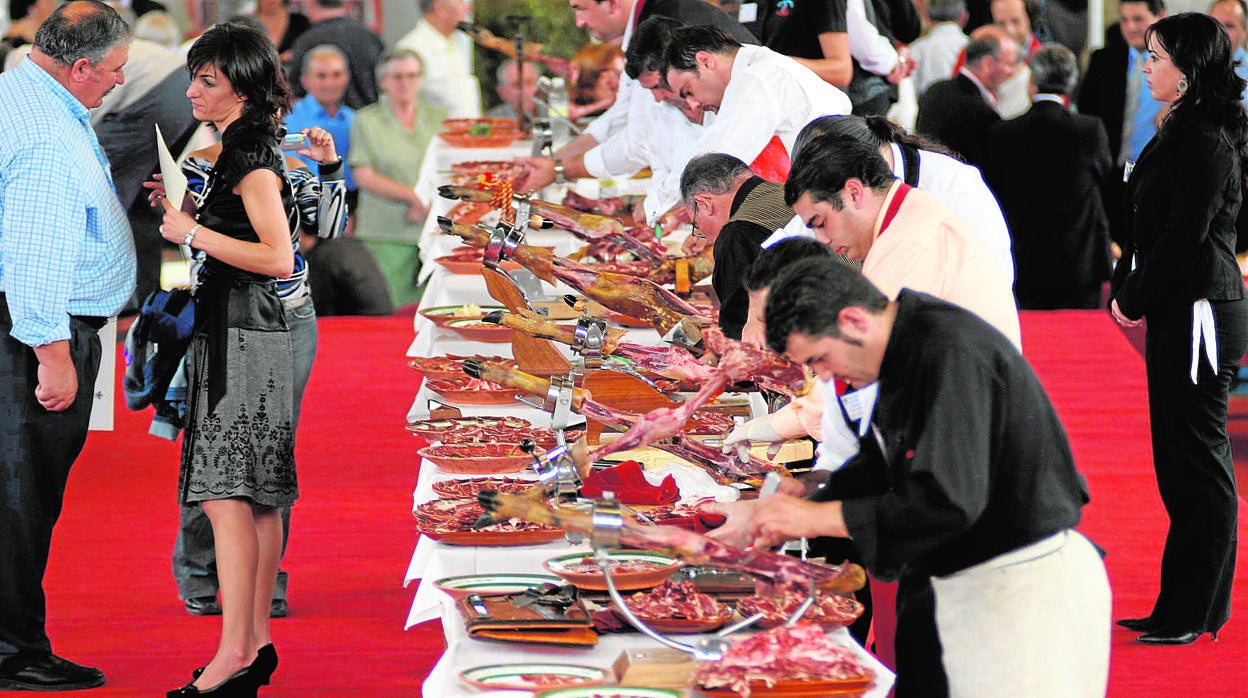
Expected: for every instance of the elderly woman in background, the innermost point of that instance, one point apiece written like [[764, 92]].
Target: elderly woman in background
[[388, 143], [238, 452], [1178, 273]]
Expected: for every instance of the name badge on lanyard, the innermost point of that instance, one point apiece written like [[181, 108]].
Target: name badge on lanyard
[[1127, 169], [748, 12]]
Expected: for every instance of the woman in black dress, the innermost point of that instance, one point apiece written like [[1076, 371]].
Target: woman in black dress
[[238, 452], [1178, 272]]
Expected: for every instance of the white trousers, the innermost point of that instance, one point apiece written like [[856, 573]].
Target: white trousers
[[1031, 622]]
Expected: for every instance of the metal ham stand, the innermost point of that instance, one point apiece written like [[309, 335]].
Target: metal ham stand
[[607, 525]]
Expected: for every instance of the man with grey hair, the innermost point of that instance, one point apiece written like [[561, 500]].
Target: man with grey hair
[[937, 51], [958, 112], [446, 53], [1052, 200], [326, 75], [514, 91], [734, 210], [332, 23], [66, 264]]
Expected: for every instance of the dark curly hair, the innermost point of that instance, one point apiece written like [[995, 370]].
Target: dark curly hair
[[248, 59], [1200, 49]]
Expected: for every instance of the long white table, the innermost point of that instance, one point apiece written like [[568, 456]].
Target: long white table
[[432, 560]]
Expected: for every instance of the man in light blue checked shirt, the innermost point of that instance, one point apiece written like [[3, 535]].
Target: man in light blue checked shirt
[[66, 264]]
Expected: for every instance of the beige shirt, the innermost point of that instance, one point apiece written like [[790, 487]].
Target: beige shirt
[[446, 81], [928, 248]]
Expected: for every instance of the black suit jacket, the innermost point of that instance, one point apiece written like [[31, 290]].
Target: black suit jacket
[[1045, 168], [695, 13], [955, 113], [1103, 91], [1184, 194]]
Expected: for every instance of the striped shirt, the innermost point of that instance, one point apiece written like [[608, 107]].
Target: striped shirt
[[65, 242], [322, 209]]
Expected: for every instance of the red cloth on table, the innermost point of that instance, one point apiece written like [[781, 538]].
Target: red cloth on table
[[629, 485]]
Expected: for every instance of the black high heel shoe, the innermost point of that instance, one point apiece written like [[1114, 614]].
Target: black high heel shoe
[[240, 684], [265, 664], [1163, 637], [1139, 625], [262, 667]]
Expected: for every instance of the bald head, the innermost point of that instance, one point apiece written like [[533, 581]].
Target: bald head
[[992, 56]]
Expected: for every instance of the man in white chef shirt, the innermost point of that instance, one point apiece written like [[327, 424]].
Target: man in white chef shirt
[[615, 20], [756, 95], [660, 132]]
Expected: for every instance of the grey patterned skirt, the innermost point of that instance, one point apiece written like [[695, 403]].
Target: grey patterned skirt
[[243, 447]]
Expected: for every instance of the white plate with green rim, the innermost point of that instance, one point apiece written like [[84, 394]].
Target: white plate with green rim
[[534, 676], [487, 584], [630, 569], [611, 692]]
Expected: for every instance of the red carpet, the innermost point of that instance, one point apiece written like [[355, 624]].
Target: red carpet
[[112, 602], [1096, 381]]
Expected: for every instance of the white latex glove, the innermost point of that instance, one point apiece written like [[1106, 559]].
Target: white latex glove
[[759, 429]]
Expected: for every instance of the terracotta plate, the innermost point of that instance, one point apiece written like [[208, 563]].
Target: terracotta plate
[[473, 397], [684, 626], [641, 579], [492, 584], [442, 314], [499, 139], [477, 331], [611, 692], [497, 539], [465, 125], [492, 458], [796, 689]]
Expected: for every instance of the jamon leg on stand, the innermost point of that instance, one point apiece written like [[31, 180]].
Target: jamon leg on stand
[[629, 295], [535, 325], [692, 547], [536, 259], [724, 468], [589, 226]]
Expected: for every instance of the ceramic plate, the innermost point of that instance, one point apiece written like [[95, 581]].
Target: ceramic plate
[[611, 692], [797, 689], [489, 584], [495, 140], [478, 459], [477, 331], [443, 314], [471, 396], [661, 567], [685, 626], [465, 125], [534, 677], [498, 539]]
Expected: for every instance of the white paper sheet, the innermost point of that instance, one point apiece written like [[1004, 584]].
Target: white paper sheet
[[171, 174]]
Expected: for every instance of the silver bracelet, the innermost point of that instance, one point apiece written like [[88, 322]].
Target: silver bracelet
[[190, 234]]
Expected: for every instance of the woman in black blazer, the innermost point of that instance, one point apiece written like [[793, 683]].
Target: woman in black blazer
[[1178, 272]]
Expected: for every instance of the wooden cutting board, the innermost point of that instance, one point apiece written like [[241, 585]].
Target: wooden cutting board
[[537, 356]]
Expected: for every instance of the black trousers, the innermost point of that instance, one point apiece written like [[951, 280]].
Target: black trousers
[[37, 448], [1195, 472], [920, 670]]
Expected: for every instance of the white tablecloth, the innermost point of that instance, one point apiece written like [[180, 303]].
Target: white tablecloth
[[432, 560]]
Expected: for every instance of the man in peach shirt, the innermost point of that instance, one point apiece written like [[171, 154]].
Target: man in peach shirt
[[846, 193]]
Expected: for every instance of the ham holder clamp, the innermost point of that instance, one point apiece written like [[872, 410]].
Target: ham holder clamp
[[606, 529]]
